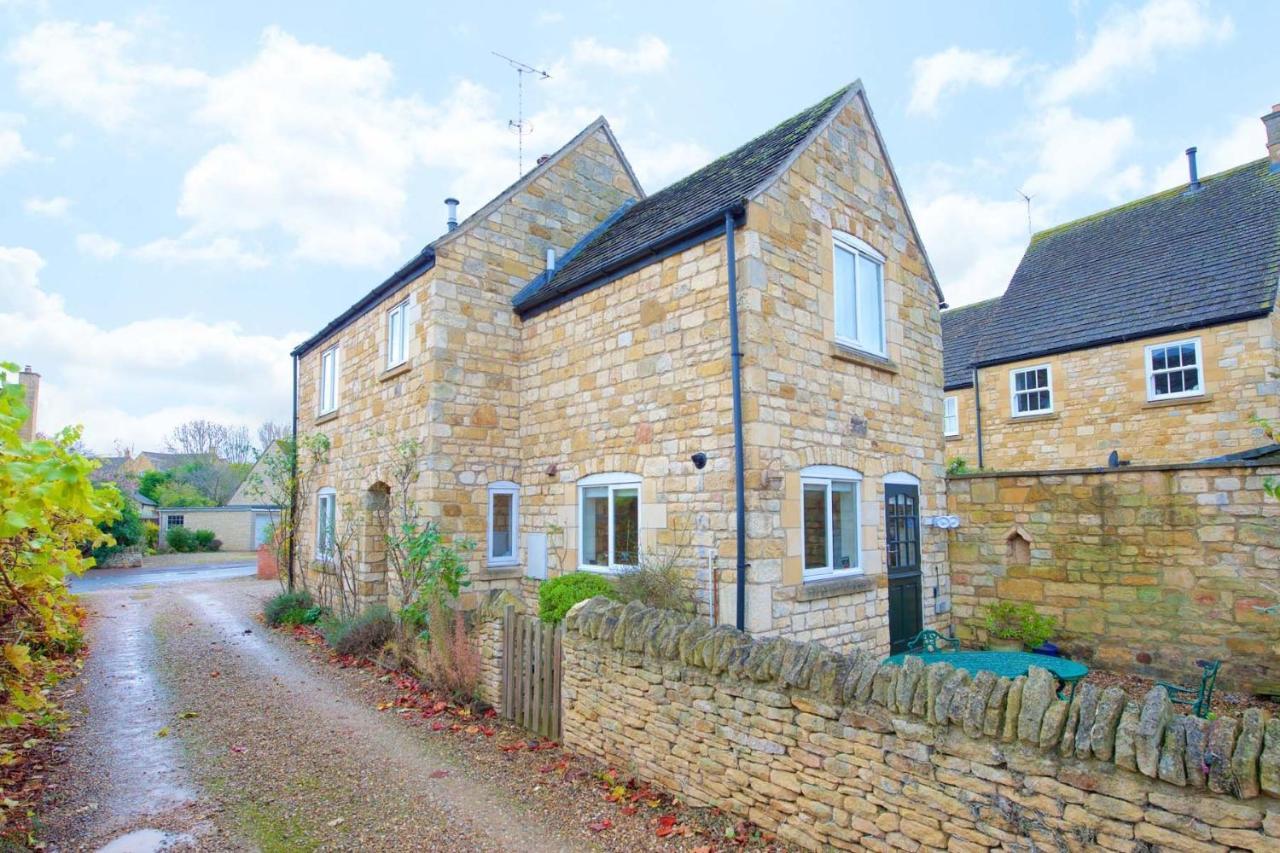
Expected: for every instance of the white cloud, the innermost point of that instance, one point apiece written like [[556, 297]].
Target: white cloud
[[1133, 39], [53, 207], [660, 163], [12, 149], [647, 55], [974, 243], [89, 69], [97, 246], [316, 147], [1246, 140], [217, 252], [941, 74], [1080, 156], [135, 381]]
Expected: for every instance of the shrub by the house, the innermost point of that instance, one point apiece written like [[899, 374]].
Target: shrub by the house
[[558, 595]]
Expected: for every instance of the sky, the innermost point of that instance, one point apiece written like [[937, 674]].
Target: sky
[[187, 191]]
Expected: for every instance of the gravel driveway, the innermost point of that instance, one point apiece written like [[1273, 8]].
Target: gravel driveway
[[197, 722]]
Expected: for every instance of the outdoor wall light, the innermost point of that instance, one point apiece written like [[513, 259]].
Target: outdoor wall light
[[946, 522], [699, 460]]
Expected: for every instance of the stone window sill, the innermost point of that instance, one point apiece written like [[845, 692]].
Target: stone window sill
[[830, 587], [326, 417], [1023, 419], [1196, 400], [840, 352], [392, 372], [500, 572], [955, 437]]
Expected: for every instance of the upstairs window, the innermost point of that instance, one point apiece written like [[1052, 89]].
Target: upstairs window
[[830, 518], [951, 416], [397, 332], [329, 380], [1031, 391], [504, 507], [609, 521], [326, 520], [859, 285], [1173, 370]]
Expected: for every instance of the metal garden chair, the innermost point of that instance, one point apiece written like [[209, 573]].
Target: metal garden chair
[[1182, 695], [931, 641]]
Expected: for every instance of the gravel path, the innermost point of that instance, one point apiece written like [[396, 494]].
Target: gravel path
[[199, 729], [263, 748]]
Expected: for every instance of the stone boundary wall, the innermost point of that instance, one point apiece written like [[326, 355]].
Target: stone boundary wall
[[1146, 569], [826, 749], [487, 635]]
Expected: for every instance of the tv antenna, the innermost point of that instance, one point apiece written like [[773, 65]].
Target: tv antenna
[[518, 124], [1027, 199]]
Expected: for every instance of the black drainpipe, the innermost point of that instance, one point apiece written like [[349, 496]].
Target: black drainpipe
[[977, 413], [739, 464], [293, 475]]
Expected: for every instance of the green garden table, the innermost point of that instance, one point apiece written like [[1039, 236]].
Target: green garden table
[[1008, 664]]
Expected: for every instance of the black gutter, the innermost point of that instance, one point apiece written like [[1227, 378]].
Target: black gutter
[[293, 475], [739, 464], [977, 413], [699, 231], [425, 260]]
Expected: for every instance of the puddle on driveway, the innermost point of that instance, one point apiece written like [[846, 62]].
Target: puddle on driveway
[[146, 841]]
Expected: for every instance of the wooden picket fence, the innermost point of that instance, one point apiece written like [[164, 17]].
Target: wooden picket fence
[[531, 670]]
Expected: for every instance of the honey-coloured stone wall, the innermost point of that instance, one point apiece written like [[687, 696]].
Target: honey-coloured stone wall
[[1145, 570]]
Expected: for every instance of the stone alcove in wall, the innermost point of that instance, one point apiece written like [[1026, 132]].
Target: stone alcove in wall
[[371, 579], [1017, 547]]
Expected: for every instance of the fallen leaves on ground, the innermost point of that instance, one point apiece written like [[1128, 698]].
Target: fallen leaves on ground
[[633, 800]]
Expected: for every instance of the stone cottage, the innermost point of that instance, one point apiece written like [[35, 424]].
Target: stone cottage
[[565, 357], [1148, 331]]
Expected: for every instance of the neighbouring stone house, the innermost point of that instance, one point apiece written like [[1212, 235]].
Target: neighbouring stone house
[[564, 358], [1148, 330], [244, 522]]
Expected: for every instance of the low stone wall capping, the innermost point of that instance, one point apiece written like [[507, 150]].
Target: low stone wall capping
[[1146, 569], [826, 749]]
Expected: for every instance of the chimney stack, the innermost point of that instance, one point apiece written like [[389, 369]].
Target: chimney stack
[[1271, 121], [452, 204], [1194, 183], [30, 382]]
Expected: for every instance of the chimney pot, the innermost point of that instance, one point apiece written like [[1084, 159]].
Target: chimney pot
[[1271, 121], [1194, 183], [452, 205]]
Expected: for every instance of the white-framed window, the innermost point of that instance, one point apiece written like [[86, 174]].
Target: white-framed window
[[830, 520], [1174, 370], [951, 416], [504, 524], [859, 296], [176, 521], [329, 380], [397, 333], [608, 522], [326, 522], [1031, 390]]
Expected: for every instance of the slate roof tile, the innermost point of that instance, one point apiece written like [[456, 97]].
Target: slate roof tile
[[1164, 263]]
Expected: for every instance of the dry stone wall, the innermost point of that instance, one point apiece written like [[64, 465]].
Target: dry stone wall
[[834, 750]]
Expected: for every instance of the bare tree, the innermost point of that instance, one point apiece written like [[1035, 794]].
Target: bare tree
[[269, 433], [198, 437], [236, 445]]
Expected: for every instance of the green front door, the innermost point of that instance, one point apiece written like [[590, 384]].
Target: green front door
[[902, 545]]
